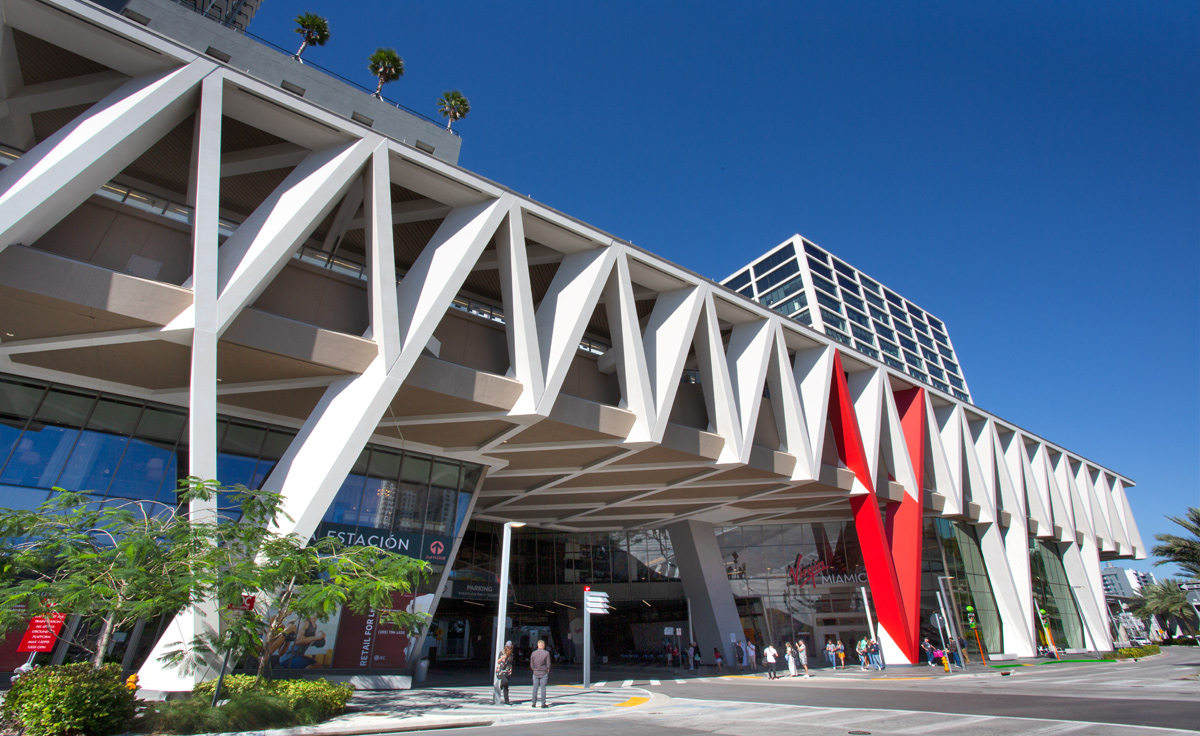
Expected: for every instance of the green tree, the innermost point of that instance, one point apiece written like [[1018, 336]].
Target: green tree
[[313, 29], [1165, 600], [138, 559], [1182, 551], [110, 564], [387, 66], [453, 106]]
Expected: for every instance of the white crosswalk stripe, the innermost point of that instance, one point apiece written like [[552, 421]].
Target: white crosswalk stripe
[[627, 683], [655, 682]]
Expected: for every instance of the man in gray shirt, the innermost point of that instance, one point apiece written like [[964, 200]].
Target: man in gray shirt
[[539, 662]]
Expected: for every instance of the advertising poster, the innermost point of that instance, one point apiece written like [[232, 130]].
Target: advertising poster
[[304, 644], [371, 641]]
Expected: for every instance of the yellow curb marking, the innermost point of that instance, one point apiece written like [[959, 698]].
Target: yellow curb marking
[[742, 677], [633, 702], [571, 685]]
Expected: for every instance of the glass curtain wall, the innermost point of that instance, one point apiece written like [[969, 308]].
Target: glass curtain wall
[[952, 548], [1052, 593], [796, 581]]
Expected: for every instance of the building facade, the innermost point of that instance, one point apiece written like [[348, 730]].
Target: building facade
[[814, 287], [204, 273]]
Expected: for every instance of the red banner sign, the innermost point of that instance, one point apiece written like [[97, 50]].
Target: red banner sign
[[42, 634]]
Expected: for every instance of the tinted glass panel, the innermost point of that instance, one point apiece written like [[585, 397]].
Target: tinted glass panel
[[813, 250], [39, 456], [777, 276], [738, 281]]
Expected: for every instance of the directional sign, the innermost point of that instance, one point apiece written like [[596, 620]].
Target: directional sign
[[595, 602], [1189, 586], [42, 634]]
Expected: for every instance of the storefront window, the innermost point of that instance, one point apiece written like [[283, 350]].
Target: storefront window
[[956, 554]]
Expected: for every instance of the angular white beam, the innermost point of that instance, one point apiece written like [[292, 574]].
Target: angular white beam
[[264, 243], [60, 173], [747, 357], [381, 257], [629, 351], [264, 158], [417, 210], [669, 331], [520, 325]]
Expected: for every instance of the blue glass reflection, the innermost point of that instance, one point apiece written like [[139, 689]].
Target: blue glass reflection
[[39, 456], [93, 462], [142, 472]]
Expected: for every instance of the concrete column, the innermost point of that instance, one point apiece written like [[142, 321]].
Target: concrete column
[[714, 612]]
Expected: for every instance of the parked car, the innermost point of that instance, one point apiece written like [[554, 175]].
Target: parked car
[[1141, 642]]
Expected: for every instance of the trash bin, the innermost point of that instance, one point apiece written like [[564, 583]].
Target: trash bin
[[422, 669]]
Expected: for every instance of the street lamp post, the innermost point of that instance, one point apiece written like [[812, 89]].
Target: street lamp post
[[502, 614]]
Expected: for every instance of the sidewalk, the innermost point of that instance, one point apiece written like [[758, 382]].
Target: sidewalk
[[390, 711]]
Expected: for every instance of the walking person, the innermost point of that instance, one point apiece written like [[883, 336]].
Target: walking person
[[841, 653], [861, 650], [831, 653], [928, 649], [539, 662], [719, 658], [790, 656], [739, 654], [771, 655], [504, 670], [802, 655], [752, 656]]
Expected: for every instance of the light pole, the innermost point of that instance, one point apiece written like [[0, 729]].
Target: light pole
[[502, 614]]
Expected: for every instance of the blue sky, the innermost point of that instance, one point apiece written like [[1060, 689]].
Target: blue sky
[[1028, 172]]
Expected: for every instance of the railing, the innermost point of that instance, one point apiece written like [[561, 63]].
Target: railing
[[183, 214], [192, 5]]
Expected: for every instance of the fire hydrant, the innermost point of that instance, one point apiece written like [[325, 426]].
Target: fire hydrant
[[131, 683]]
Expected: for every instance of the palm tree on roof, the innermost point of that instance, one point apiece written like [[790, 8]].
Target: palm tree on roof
[[313, 29], [453, 106], [387, 65]]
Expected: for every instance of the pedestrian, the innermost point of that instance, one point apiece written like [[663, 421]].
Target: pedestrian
[[873, 654], [696, 654], [740, 655], [771, 655], [952, 651], [691, 655], [861, 650], [539, 662], [504, 670], [802, 655], [841, 653], [831, 653], [719, 658], [752, 656], [925, 645], [962, 648], [790, 656]]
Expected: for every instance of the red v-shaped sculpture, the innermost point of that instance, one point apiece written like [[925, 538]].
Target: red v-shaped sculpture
[[868, 521], [904, 519]]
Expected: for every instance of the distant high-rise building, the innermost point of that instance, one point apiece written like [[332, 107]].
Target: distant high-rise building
[[816, 288], [1123, 582]]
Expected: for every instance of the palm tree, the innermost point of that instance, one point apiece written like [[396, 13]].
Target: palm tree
[[387, 65], [313, 29], [1165, 600], [1182, 551], [453, 106]]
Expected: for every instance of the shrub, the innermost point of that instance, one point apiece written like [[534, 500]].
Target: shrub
[[313, 701], [306, 701], [243, 711], [70, 700]]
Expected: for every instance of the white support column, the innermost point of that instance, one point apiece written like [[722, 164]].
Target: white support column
[[60, 173], [706, 585], [629, 350], [785, 402], [669, 330], [564, 313], [376, 196], [812, 371], [324, 450], [202, 619], [747, 357], [520, 326], [716, 383]]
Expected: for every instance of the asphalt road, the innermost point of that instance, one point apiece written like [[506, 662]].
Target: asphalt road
[[1151, 697]]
